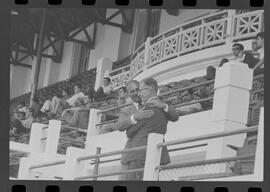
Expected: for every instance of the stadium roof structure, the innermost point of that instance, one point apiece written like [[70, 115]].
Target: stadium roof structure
[[60, 25]]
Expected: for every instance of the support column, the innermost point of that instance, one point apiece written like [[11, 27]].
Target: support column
[[153, 157], [39, 56], [52, 138], [103, 65], [72, 167], [37, 146], [230, 107], [94, 118]]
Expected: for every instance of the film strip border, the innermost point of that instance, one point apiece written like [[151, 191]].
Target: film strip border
[[154, 3], [87, 188], [134, 186]]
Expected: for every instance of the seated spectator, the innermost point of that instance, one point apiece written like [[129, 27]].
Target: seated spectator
[[207, 90], [242, 56], [21, 107], [259, 68], [255, 49], [186, 97], [102, 91], [64, 103], [223, 60], [122, 96], [27, 122], [47, 106], [17, 127], [78, 115]]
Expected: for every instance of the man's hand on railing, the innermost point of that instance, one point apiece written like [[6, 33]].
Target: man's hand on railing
[[142, 114]]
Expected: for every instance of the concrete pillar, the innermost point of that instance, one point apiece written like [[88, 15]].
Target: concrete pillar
[[153, 157], [52, 138], [259, 155], [103, 65], [36, 145], [94, 118], [72, 167], [230, 107]]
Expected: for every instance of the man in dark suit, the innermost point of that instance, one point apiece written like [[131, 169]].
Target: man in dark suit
[[136, 123]]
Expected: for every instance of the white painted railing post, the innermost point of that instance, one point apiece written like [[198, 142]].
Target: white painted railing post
[[36, 145], [153, 157], [92, 132], [103, 65], [147, 53], [24, 171], [72, 167], [230, 107], [52, 141], [259, 160], [230, 26]]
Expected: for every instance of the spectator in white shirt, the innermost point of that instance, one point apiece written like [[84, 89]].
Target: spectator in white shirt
[[103, 91], [67, 103]]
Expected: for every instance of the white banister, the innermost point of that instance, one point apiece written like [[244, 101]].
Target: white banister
[[153, 157], [92, 132], [259, 160], [36, 144], [103, 65], [72, 167], [52, 140], [146, 56]]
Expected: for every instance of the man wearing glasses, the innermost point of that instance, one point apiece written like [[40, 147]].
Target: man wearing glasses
[[133, 118]]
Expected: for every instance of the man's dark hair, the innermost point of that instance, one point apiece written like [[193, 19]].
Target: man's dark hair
[[190, 91], [78, 85], [238, 45], [109, 79], [21, 113], [123, 88], [67, 90], [152, 83], [22, 103], [132, 81], [223, 60], [260, 34]]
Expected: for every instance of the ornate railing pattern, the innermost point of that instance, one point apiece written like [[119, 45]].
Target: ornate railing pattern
[[247, 24], [120, 77], [206, 31]]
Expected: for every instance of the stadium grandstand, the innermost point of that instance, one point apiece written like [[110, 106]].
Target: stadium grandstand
[[91, 54]]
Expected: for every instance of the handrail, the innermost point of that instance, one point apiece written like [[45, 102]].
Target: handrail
[[83, 158], [257, 91], [107, 122], [258, 76], [72, 140], [260, 63], [107, 161], [113, 108], [47, 164], [186, 88], [110, 174], [204, 162], [209, 136], [195, 101], [74, 128]]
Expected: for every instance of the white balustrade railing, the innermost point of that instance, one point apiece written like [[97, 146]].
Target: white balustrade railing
[[210, 30], [120, 77]]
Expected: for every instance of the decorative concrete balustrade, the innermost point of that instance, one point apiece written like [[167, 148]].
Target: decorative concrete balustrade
[[215, 29]]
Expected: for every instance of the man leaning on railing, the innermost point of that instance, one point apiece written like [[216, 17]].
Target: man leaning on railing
[[134, 120]]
